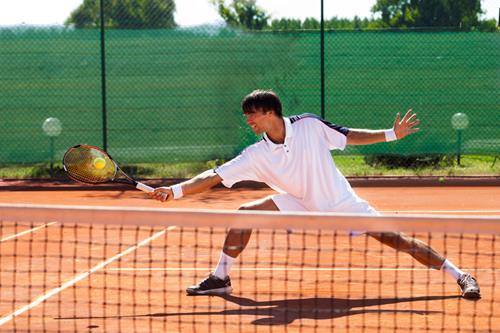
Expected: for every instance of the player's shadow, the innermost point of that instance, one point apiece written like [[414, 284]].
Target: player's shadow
[[284, 312]]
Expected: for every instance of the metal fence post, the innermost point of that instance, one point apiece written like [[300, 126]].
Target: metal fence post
[[103, 80], [322, 61]]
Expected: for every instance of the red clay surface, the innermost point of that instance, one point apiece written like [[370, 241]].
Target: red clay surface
[[336, 284], [478, 200]]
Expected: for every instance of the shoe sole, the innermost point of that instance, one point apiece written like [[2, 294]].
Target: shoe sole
[[219, 291], [471, 295]]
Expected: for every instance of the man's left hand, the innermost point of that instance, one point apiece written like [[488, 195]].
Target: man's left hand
[[405, 126]]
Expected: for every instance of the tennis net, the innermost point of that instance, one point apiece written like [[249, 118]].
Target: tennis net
[[104, 269]]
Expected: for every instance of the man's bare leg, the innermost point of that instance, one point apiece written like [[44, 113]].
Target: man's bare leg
[[237, 239], [419, 250], [424, 254], [218, 282]]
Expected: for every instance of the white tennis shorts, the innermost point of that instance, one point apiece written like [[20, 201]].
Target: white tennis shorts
[[288, 203]]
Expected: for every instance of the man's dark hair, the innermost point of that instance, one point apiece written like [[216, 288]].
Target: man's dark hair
[[266, 100]]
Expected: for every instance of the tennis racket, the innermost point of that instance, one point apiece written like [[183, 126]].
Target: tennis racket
[[91, 165]]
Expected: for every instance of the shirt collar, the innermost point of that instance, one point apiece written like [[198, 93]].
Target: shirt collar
[[288, 135]]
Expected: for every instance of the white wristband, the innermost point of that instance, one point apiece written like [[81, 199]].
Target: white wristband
[[390, 135], [177, 191]]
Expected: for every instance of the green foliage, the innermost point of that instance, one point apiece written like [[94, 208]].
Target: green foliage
[[412, 161], [311, 23], [287, 24], [489, 25], [125, 14], [345, 23], [471, 165], [242, 14], [350, 165], [246, 14], [462, 14]]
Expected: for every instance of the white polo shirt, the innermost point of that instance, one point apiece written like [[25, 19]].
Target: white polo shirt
[[301, 167]]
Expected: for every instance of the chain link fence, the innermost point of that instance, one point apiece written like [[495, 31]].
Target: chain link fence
[[174, 94]]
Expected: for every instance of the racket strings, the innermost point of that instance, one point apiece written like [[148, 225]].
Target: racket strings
[[79, 163]]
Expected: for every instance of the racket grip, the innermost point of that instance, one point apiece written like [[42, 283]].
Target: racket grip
[[144, 188]]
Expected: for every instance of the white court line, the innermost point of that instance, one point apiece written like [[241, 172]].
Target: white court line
[[82, 276], [291, 269], [421, 211], [26, 232]]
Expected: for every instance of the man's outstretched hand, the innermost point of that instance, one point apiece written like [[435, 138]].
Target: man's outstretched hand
[[405, 126], [162, 194]]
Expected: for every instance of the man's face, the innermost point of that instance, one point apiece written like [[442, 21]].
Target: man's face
[[258, 120]]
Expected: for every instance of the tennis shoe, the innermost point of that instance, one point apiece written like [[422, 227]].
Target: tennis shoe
[[212, 285], [469, 286]]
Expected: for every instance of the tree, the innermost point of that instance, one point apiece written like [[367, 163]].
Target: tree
[[311, 24], [489, 25], [429, 13], [242, 13], [286, 24], [125, 14]]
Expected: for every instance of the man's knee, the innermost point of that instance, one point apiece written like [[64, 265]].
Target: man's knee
[[263, 204], [241, 234], [246, 207]]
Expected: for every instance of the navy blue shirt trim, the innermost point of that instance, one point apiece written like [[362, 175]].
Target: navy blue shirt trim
[[340, 129]]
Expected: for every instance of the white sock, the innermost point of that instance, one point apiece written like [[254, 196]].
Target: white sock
[[451, 269], [224, 266]]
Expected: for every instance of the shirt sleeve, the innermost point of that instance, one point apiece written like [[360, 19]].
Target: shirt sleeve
[[238, 169], [335, 135]]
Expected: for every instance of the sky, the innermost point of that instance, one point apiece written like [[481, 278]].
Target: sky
[[55, 12]]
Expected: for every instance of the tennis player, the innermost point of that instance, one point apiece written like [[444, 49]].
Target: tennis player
[[294, 159]]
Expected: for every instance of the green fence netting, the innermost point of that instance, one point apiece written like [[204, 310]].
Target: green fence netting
[[174, 95]]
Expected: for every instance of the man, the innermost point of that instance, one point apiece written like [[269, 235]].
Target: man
[[294, 158]]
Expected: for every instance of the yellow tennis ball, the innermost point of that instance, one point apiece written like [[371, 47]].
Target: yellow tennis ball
[[99, 163]]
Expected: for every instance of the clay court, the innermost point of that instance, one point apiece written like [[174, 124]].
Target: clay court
[[331, 286]]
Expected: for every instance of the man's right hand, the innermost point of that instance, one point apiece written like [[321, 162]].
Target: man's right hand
[[162, 194]]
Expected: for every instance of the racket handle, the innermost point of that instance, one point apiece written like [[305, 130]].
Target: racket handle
[[144, 187]]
